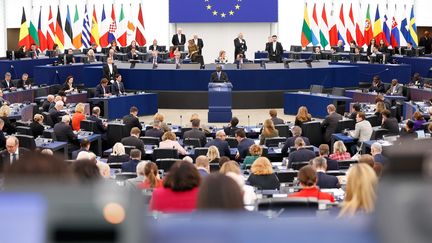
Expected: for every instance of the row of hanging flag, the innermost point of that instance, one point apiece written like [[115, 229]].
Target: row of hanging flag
[[82, 31], [329, 29]]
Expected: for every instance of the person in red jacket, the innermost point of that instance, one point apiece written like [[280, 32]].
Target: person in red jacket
[[308, 179], [180, 190]]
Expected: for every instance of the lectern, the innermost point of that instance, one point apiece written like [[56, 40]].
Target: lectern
[[220, 102]]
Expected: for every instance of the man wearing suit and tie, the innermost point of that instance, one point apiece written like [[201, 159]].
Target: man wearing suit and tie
[[12, 153], [102, 89], [199, 42], [330, 123], [395, 88], [219, 76], [109, 70], [301, 154], [7, 84], [275, 50], [240, 46], [117, 86], [324, 180], [220, 143], [178, 39]]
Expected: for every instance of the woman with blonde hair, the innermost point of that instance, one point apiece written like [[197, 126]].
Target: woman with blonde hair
[[169, 141], [213, 154], [194, 53], [118, 154], [339, 152], [8, 127], [255, 152], [302, 116], [78, 116], [161, 118], [36, 127], [269, 131], [360, 193], [230, 166], [232, 169], [262, 175]]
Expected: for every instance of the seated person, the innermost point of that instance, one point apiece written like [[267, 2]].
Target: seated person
[[255, 151], [63, 131], [339, 151], [155, 131], [213, 155], [276, 120], [118, 154], [195, 132], [172, 51], [219, 76], [220, 143], [7, 83], [69, 57], [222, 57], [194, 53], [330, 123], [177, 59], [363, 129], [56, 112], [9, 126], [308, 183], [203, 166], [154, 46], [417, 80], [297, 133], [114, 46], [240, 59], [376, 152], [132, 54], [117, 87], [395, 88], [155, 59], [418, 121], [324, 151], [377, 86], [169, 141], [390, 123], [243, 144], [84, 146], [134, 140], [324, 180], [47, 103], [36, 126], [132, 120], [152, 179], [268, 131], [2, 136], [301, 154], [91, 57], [2, 100], [78, 116], [159, 117], [302, 116], [130, 166], [24, 82], [100, 126], [232, 127], [102, 89], [21, 52], [408, 131], [262, 176], [354, 110]]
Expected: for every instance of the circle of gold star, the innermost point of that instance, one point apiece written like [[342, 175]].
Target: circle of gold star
[[221, 13]]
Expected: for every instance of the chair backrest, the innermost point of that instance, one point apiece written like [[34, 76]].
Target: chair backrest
[[49, 134], [345, 124], [184, 129], [284, 130], [288, 204], [214, 167], [26, 141], [128, 148], [232, 142], [312, 130], [87, 125], [293, 148], [336, 172], [200, 151], [150, 140], [165, 164], [286, 176], [125, 175], [24, 130], [162, 153], [338, 91], [345, 164], [374, 121], [315, 88], [298, 165], [378, 133], [47, 119], [115, 132], [194, 142], [274, 142]]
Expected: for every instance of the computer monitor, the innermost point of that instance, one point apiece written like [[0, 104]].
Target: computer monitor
[[420, 51], [296, 48], [9, 55], [316, 89]]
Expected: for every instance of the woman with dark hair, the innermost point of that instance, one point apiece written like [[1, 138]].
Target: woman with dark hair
[[68, 85], [220, 192], [152, 179], [371, 45], [21, 52], [382, 47], [418, 121], [180, 189], [308, 179]]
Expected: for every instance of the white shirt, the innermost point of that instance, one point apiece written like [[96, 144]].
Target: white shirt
[[274, 46], [16, 156], [179, 38], [110, 68]]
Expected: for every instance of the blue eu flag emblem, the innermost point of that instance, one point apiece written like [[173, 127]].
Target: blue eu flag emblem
[[219, 10]]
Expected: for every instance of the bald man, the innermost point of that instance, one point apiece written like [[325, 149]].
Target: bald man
[[12, 153]]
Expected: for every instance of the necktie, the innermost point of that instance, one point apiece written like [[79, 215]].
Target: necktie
[[13, 158], [218, 75]]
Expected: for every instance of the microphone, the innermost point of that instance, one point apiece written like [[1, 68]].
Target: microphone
[[12, 66], [248, 121], [181, 120]]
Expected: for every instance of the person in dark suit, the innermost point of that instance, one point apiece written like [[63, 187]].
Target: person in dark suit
[[69, 57], [133, 44], [275, 50], [276, 120], [63, 131], [2, 136], [243, 144], [56, 112], [196, 132], [426, 41], [408, 131], [9, 126], [330, 123], [377, 86], [155, 46], [376, 152], [47, 103], [100, 127], [24, 82], [109, 70], [240, 46], [12, 153], [21, 52], [219, 76], [131, 165], [199, 42], [324, 152], [117, 87], [68, 85], [301, 154], [132, 54], [131, 120], [102, 89], [178, 39], [155, 59], [156, 131], [7, 83], [324, 180], [297, 133], [389, 123], [36, 127], [354, 110], [395, 88], [84, 146], [220, 143], [134, 140], [232, 127]]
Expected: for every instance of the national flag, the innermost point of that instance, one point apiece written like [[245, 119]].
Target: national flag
[[122, 30], [405, 29], [130, 26], [377, 29], [77, 40], [68, 24], [350, 26], [324, 38], [50, 30], [413, 28], [341, 26], [386, 31], [24, 37], [368, 34], [314, 27], [41, 35], [34, 38], [112, 27], [358, 30], [86, 30], [104, 28], [333, 32], [139, 35], [59, 37], [394, 37], [94, 38], [306, 36]]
